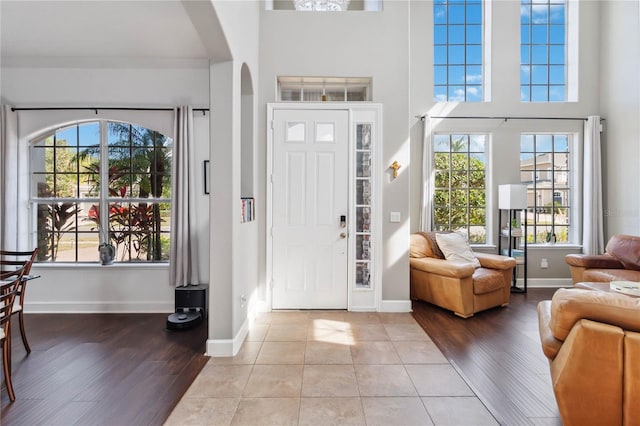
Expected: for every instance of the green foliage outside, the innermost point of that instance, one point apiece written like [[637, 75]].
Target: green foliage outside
[[139, 167], [460, 193]]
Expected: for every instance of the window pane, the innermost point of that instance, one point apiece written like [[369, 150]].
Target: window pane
[[556, 54], [544, 143], [540, 14], [439, 14], [547, 176], [139, 163], [440, 55], [557, 14], [539, 54], [456, 93], [456, 34], [440, 34], [525, 14], [525, 52], [474, 34], [556, 74], [539, 34], [460, 181], [474, 55], [525, 74], [456, 75], [525, 35], [474, 13], [539, 93], [556, 34], [67, 137], [440, 74], [557, 93], [543, 46], [440, 93], [455, 14], [462, 46], [474, 94], [539, 75], [456, 54]]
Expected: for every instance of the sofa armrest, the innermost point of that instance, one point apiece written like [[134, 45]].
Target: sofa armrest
[[570, 305], [495, 261], [550, 345], [600, 261], [446, 268]]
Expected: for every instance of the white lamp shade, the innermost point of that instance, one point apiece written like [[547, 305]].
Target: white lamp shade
[[512, 197]]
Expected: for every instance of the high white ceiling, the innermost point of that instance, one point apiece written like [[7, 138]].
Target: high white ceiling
[[79, 33]]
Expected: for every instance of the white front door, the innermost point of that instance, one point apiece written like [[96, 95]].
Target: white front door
[[309, 199]]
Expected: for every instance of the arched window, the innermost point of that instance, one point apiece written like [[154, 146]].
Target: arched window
[[82, 170]]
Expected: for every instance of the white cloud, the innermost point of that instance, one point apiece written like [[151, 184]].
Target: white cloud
[[474, 78]]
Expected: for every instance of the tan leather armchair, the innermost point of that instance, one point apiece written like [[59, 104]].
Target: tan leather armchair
[[620, 262], [458, 286], [592, 341]]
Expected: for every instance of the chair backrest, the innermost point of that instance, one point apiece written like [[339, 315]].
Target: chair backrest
[[8, 293], [10, 259]]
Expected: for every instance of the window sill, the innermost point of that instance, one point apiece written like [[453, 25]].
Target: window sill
[[96, 265], [555, 246]]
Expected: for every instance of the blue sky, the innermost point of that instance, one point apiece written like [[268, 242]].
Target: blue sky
[[458, 58]]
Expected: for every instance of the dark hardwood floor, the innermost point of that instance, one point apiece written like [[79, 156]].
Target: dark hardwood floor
[[499, 354], [111, 369]]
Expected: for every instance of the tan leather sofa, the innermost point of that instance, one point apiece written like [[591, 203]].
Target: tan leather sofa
[[592, 341], [458, 286], [620, 262]]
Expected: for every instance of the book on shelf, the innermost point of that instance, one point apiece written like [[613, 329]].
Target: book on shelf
[[247, 210]]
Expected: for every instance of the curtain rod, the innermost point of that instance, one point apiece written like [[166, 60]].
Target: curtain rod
[[424, 116], [96, 109]]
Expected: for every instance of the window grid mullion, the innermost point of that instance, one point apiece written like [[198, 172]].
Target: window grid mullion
[[104, 184]]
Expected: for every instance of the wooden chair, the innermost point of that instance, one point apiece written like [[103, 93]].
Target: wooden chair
[[11, 260], [8, 292]]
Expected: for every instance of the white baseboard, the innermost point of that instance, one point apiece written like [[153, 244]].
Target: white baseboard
[[111, 307], [547, 282], [395, 306], [261, 306], [228, 347]]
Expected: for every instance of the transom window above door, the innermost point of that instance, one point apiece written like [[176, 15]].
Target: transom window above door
[[324, 5], [324, 89]]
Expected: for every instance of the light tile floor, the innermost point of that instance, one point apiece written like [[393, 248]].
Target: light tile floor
[[332, 368]]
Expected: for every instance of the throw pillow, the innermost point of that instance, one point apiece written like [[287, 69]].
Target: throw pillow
[[455, 246]]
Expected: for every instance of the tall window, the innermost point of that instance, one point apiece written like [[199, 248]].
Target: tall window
[[460, 198], [545, 168], [79, 172], [543, 51], [457, 50]]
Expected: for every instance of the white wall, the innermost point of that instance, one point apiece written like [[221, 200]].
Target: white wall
[[352, 44], [234, 245], [118, 288], [619, 51]]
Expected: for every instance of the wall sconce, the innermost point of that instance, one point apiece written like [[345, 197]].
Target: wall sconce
[[395, 167]]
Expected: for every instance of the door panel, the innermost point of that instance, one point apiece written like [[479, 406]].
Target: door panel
[[310, 193]]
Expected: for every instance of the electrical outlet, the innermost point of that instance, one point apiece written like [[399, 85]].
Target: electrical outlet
[[544, 263]]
